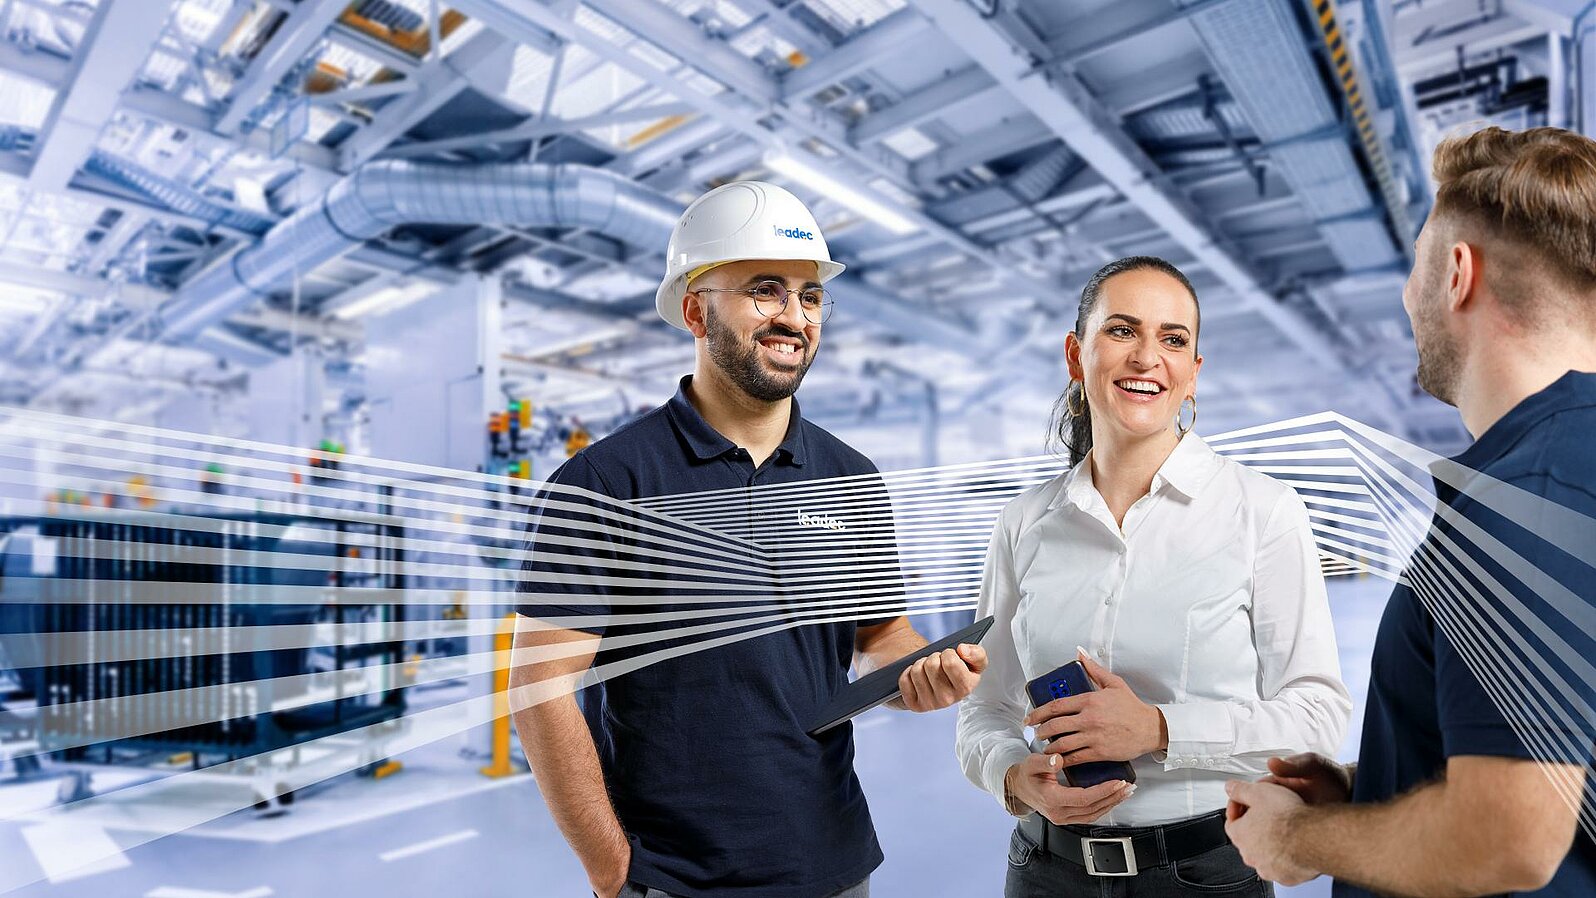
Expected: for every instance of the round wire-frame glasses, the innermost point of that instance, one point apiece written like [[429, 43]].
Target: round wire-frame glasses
[[771, 298]]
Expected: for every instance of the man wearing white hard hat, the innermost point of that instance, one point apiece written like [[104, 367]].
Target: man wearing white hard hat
[[692, 775]]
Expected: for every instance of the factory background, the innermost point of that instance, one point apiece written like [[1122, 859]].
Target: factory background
[[429, 232]]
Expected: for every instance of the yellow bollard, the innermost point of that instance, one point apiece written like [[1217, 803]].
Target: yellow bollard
[[502, 643]]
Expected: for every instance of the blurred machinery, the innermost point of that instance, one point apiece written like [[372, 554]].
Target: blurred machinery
[[325, 458], [1499, 90], [578, 439], [145, 635], [510, 440]]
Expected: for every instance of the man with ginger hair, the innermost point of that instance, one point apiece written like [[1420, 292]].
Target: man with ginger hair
[[1478, 732]]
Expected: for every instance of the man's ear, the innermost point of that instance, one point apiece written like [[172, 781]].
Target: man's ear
[[1464, 270], [693, 313]]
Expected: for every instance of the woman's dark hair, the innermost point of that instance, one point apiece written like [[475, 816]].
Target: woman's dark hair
[[1074, 431]]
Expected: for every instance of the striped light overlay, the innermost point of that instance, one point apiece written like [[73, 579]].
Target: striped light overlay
[[270, 615]]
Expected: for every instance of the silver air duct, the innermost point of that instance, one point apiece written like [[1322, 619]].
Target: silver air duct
[[383, 195]]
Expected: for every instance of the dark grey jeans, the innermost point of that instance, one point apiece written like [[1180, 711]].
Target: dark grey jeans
[[1219, 873], [859, 889]]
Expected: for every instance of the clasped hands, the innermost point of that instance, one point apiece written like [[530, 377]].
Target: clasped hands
[[1259, 815]]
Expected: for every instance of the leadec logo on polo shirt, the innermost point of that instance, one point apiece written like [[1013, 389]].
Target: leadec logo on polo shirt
[[794, 233], [827, 522]]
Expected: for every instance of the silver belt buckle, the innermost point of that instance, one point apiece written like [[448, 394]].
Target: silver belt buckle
[[1124, 843]]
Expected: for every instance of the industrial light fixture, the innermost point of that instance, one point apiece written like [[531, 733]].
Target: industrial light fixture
[[858, 199], [386, 299], [22, 298]]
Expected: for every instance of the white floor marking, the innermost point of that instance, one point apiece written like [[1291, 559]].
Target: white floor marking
[[72, 850], [398, 853], [175, 892]]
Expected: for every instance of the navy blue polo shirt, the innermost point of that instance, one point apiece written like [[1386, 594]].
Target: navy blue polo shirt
[[704, 750], [1531, 489]]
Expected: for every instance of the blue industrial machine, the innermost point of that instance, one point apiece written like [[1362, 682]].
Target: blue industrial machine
[[116, 669]]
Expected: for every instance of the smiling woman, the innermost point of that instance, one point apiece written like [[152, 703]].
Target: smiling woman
[[1147, 278], [1188, 587]]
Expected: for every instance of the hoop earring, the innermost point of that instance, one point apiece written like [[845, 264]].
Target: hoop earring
[[1186, 429], [1076, 409]]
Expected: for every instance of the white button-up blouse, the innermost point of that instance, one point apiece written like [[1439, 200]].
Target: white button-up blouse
[[1209, 602]]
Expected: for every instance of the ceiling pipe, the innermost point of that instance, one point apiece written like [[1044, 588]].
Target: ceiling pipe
[[380, 196], [224, 343], [383, 195]]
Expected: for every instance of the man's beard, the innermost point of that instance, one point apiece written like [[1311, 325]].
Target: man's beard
[[740, 361], [1439, 364]]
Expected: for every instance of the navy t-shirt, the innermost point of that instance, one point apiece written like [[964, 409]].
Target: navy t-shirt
[[727, 602], [1502, 585]]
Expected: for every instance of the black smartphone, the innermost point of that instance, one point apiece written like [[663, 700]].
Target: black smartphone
[[1071, 679]]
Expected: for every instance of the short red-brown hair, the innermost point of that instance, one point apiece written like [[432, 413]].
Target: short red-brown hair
[[1533, 191]]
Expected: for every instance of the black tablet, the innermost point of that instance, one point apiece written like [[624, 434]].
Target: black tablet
[[881, 685]]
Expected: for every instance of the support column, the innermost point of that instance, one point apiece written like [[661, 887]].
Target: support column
[[1557, 81], [1585, 70]]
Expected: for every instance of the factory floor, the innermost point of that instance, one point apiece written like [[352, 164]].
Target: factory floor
[[439, 828]]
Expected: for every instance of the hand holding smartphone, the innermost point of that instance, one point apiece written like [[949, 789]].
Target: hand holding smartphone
[[1071, 679]]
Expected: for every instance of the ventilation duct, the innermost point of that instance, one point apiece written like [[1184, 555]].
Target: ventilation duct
[[1034, 182], [175, 195], [162, 191], [1041, 176], [14, 138], [1257, 48], [383, 195], [223, 343]]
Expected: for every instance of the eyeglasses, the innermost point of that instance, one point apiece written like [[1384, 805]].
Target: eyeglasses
[[770, 299]]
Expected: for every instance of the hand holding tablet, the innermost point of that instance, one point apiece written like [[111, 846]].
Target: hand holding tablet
[[881, 686]]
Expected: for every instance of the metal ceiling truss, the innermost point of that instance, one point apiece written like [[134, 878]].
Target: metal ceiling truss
[[753, 105], [760, 110]]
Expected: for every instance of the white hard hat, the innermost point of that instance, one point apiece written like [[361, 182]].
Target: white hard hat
[[735, 222]]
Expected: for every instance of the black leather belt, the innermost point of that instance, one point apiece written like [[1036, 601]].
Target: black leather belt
[[1125, 850]]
